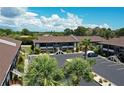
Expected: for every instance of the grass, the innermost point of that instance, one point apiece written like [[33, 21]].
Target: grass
[[26, 48]]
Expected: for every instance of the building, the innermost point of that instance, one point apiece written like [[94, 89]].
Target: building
[[53, 43], [113, 46], [9, 50]]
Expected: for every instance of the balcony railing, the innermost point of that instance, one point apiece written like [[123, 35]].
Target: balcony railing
[[110, 50], [49, 47]]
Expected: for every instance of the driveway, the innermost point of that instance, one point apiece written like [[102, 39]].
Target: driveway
[[109, 70]]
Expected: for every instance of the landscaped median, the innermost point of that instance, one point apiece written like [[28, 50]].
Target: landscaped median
[[99, 79]]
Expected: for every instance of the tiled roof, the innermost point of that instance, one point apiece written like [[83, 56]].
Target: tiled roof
[[50, 39], [119, 41], [92, 38], [71, 38], [8, 50]]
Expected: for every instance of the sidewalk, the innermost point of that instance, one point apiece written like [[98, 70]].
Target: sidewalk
[[26, 65]]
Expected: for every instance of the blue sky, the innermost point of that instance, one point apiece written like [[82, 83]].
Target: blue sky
[[59, 18]]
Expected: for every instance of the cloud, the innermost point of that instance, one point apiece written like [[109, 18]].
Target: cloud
[[19, 18], [55, 22], [95, 25], [31, 14], [11, 12], [62, 10]]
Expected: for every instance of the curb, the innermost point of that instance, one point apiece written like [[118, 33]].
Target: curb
[[107, 83]]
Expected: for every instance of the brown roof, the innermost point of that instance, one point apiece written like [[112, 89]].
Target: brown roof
[[71, 38], [7, 54], [50, 39], [115, 41], [92, 38]]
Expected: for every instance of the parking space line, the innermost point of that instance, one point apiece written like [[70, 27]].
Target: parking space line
[[120, 69], [103, 62], [114, 65]]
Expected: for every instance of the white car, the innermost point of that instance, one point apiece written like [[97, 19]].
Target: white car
[[91, 54]]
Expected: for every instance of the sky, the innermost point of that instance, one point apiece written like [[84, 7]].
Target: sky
[[58, 18]]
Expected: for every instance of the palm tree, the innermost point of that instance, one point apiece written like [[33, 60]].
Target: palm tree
[[107, 36], [77, 69], [43, 71], [86, 43]]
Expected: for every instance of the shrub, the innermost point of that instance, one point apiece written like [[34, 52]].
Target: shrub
[[32, 47], [20, 63], [77, 49], [100, 80], [105, 80], [77, 69], [43, 71], [37, 50], [69, 51]]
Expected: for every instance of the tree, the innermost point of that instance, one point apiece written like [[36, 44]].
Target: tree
[[8, 31], [107, 34], [89, 32], [37, 50], [86, 43], [25, 32], [43, 71], [77, 69], [120, 32], [20, 63], [80, 31], [68, 31], [96, 31]]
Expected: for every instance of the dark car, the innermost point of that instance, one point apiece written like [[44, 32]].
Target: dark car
[[92, 55]]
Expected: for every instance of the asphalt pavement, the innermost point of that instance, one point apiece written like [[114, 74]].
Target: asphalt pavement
[[109, 70]]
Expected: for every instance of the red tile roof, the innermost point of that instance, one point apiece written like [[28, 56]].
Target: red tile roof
[[115, 41], [92, 38], [7, 54], [50, 39]]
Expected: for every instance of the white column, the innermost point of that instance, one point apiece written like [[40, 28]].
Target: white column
[[37, 45], [74, 47]]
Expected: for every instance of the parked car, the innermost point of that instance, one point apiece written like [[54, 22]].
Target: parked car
[[91, 54]]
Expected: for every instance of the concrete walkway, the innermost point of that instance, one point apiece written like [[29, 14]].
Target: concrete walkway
[[26, 65]]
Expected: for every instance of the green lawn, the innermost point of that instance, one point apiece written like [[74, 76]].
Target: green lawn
[[26, 48]]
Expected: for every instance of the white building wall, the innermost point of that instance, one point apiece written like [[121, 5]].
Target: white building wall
[[37, 45]]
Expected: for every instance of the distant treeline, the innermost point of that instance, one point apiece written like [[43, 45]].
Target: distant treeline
[[27, 36]]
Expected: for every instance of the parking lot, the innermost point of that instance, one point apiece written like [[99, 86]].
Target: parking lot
[[109, 70]]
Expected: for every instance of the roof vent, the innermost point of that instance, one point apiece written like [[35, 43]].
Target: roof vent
[[7, 42]]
